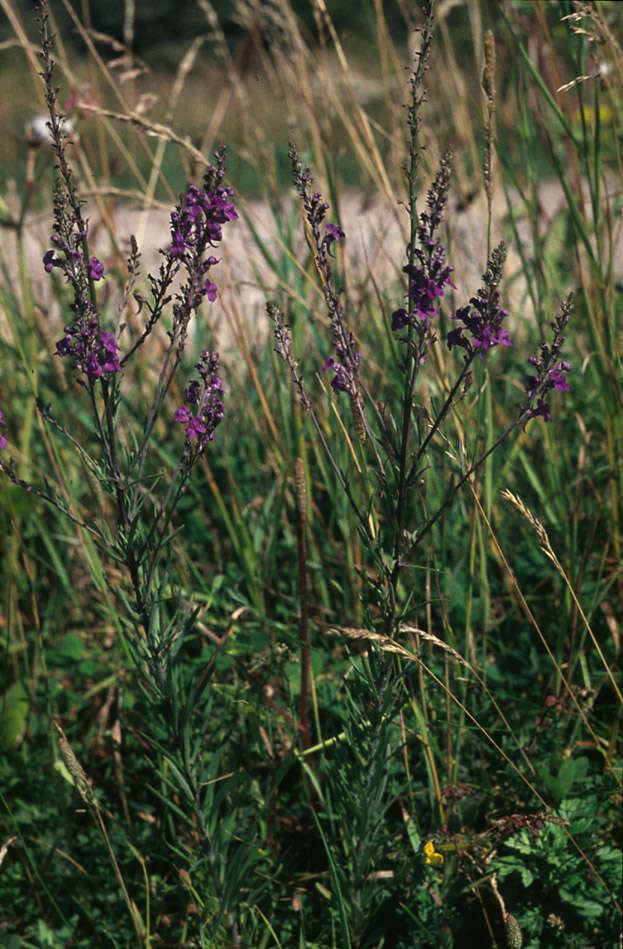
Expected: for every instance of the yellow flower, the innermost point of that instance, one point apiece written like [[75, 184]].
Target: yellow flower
[[432, 857]]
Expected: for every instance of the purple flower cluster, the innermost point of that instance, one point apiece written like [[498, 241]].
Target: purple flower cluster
[[323, 238], [550, 369], [196, 223], [92, 351], [2, 438], [203, 409], [345, 366], [196, 227], [72, 262], [341, 381], [431, 274], [483, 316]]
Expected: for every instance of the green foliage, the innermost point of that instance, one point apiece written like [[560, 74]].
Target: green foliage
[[561, 900]]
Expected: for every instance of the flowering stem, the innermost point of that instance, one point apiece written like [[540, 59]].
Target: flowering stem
[[455, 487], [282, 335], [444, 410], [155, 308], [412, 362]]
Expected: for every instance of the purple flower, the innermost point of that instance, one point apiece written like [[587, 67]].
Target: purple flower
[[178, 244], [92, 366], [333, 233], [49, 261], [558, 378], [182, 415], [400, 319], [63, 347], [542, 408], [108, 352], [205, 398], [194, 424], [339, 383], [427, 283], [96, 268], [2, 438]]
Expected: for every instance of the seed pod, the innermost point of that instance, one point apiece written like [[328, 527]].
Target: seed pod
[[488, 87], [514, 938], [488, 73], [300, 488], [358, 421], [74, 767]]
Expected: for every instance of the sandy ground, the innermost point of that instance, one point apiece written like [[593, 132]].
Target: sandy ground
[[374, 248]]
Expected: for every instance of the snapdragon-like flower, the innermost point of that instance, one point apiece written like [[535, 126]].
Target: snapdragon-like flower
[[430, 275], [550, 369], [96, 268], [333, 233], [339, 383], [203, 407], [2, 438], [483, 316]]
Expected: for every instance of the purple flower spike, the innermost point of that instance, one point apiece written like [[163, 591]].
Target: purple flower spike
[[482, 317], [550, 369], [196, 226], [429, 274], [205, 398], [2, 438], [323, 236]]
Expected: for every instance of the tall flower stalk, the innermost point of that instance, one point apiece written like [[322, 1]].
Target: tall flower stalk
[[399, 452], [137, 537]]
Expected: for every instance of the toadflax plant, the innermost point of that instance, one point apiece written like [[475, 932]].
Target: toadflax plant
[[386, 483], [137, 536]]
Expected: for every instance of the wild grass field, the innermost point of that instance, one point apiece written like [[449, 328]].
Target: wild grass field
[[310, 479]]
